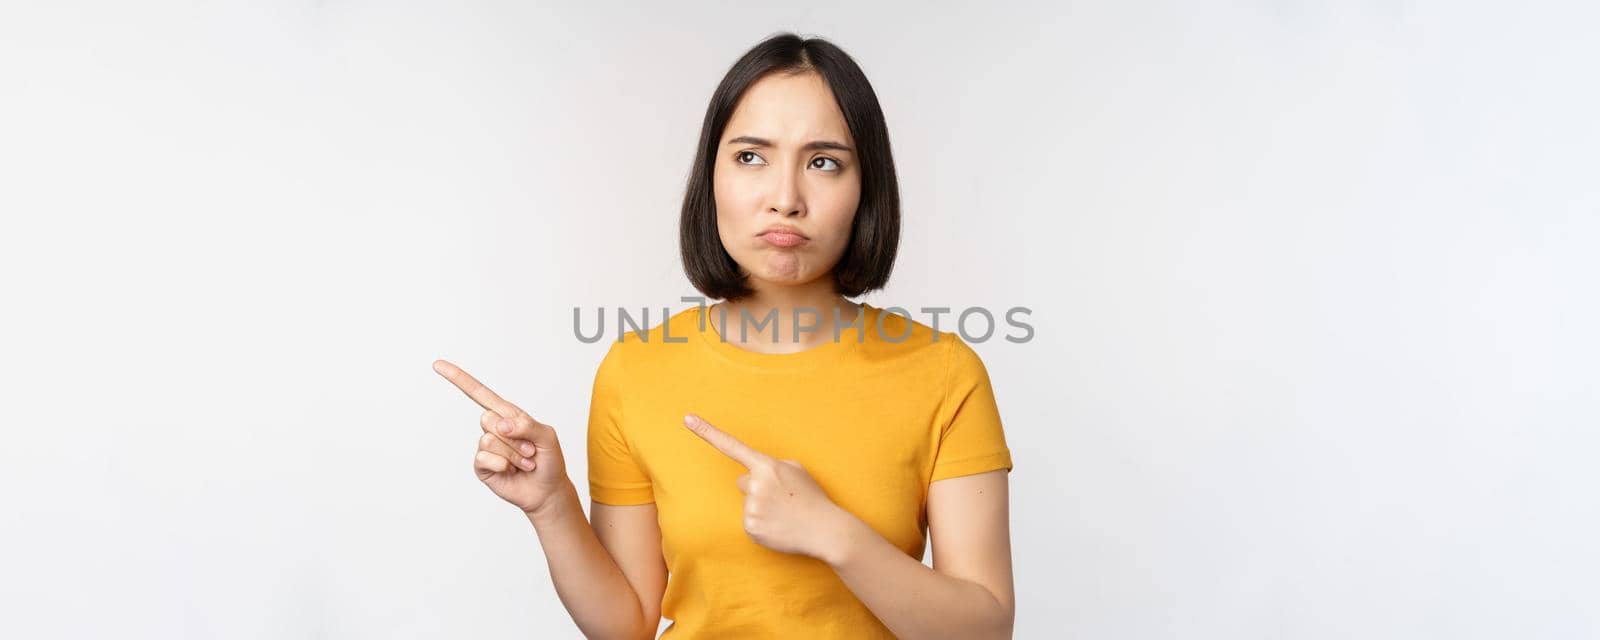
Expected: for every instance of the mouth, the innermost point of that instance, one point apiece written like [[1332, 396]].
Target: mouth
[[783, 238], [782, 235]]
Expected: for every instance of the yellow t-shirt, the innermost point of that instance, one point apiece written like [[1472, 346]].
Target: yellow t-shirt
[[872, 417]]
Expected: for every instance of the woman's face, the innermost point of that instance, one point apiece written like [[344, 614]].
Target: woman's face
[[786, 158]]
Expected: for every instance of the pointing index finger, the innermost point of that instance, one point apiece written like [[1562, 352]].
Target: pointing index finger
[[475, 390], [727, 444]]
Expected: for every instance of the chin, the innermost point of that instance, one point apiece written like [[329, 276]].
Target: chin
[[781, 279]]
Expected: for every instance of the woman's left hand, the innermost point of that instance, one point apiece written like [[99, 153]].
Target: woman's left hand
[[784, 507]]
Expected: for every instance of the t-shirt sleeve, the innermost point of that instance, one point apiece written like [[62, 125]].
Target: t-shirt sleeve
[[615, 477], [971, 438]]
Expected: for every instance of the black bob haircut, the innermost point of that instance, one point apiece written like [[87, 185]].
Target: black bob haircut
[[875, 234]]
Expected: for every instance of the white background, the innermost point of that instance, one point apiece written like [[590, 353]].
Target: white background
[[1313, 290]]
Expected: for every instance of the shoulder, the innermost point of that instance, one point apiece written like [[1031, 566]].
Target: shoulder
[[964, 368], [638, 342], [896, 332], [962, 358]]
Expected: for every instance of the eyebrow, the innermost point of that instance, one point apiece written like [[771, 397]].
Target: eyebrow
[[814, 144]]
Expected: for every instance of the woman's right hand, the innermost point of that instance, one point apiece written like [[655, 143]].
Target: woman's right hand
[[518, 457]]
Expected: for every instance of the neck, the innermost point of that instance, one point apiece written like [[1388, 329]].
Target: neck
[[816, 300]]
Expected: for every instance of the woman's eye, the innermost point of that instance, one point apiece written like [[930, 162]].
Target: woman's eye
[[738, 157], [835, 163]]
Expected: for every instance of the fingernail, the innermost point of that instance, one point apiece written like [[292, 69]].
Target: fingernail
[[505, 427], [526, 464], [527, 449]]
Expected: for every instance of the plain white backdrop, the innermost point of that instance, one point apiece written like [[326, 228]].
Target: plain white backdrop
[[1313, 285]]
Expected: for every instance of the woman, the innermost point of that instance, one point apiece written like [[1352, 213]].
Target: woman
[[783, 477]]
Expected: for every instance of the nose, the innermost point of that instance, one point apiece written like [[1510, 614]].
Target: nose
[[785, 198]]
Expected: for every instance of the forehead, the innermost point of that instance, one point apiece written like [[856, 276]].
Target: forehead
[[789, 109]]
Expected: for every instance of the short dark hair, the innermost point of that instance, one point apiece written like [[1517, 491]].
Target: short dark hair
[[875, 233]]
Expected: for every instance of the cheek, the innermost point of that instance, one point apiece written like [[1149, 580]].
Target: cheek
[[722, 194], [729, 193], [841, 237], [842, 218]]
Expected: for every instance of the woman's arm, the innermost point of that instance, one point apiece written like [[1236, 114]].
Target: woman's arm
[[520, 459], [968, 593], [590, 583]]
